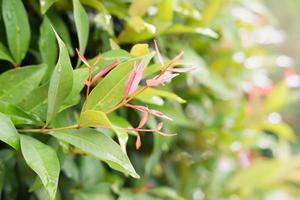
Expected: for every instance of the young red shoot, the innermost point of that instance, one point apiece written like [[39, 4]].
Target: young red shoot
[[134, 78]]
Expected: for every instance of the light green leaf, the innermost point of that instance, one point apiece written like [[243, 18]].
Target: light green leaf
[[122, 135], [179, 29], [46, 4], [139, 8], [17, 28], [276, 99], [48, 46], [165, 10], [139, 50], [8, 132], [42, 159], [79, 76], [282, 130], [100, 146], [20, 82], [82, 25], [110, 91], [96, 5], [94, 118], [152, 95], [4, 54], [61, 82]]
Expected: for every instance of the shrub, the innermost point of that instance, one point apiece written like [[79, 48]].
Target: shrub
[[86, 85]]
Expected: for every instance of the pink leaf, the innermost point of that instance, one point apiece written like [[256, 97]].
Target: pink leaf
[[82, 58], [182, 69], [158, 53], [159, 126], [138, 142], [105, 70], [143, 120], [176, 58], [134, 78], [158, 80], [160, 114]]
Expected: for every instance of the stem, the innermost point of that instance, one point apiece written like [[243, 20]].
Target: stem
[[125, 101], [45, 130]]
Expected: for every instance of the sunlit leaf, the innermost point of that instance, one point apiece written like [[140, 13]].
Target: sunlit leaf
[[46, 4], [93, 118]]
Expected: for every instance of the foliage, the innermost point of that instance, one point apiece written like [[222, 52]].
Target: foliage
[[88, 109]]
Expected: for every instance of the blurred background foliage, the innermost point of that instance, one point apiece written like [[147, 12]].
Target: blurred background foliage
[[237, 111]]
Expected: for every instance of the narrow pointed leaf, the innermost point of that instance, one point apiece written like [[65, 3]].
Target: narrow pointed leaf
[[152, 95], [100, 146], [17, 28], [82, 24], [8, 132], [110, 91], [48, 46], [61, 81], [42, 159]]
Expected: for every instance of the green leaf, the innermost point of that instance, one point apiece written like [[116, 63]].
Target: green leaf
[[282, 130], [46, 4], [152, 95], [17, 28], [61, 82], [139, 8], [8, 132], [100, 146], [139, 50], [165, 10], [122, 135], [16, 114], [110, 91], [42, 159], [4, 54], [179, 29], [20, 82], [94, 118], [82, 25], [277, 98], [48, 46], [79, 76], [62, 30]]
